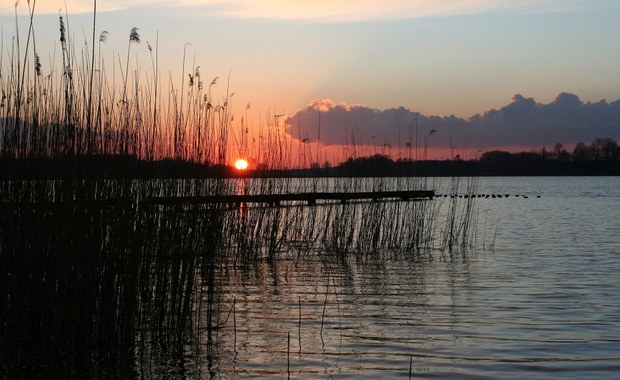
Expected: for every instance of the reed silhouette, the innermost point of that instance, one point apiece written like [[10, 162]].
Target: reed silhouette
[[98, 283]]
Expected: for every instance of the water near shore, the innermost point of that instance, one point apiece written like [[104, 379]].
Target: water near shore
[[544, 303], [536, 295]]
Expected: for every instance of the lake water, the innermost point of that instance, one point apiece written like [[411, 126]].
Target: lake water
[[363, 290], [538, 298]]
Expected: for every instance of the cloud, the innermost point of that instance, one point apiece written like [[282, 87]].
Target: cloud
[[324, 10], [523, 122]]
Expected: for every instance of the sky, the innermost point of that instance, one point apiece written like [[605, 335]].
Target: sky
[[482, 73]]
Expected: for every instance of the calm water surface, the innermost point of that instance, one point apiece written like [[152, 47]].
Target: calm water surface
[[539, 298]]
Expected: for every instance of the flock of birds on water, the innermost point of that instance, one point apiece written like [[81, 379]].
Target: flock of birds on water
[[481, 196]]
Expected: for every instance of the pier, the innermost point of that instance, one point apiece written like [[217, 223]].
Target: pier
[[309, 198], [236, 200], [233, 200]]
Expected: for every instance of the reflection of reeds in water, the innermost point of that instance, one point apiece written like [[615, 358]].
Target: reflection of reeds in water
[[416, 227], [87, 283], [460, 215], [98, 284]]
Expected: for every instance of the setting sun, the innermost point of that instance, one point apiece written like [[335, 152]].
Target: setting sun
[[241, 164]]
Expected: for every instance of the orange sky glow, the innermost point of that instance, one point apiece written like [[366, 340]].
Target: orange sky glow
[[483, 73]]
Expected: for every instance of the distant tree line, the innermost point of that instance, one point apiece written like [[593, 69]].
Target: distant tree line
[[601, 149], [601, 157]]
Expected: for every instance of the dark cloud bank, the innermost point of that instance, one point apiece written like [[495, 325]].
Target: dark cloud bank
[[522, 123]]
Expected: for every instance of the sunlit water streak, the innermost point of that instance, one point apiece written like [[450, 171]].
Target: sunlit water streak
[[544, 303]]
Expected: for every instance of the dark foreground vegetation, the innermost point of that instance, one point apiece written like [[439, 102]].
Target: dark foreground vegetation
[[128, 289], [97, 283], [89, 291]]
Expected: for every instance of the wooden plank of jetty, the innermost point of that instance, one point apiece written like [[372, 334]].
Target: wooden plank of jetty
[[310, 198], [62, 204]]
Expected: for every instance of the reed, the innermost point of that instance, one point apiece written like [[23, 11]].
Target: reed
[[75, 109], [99, 284]]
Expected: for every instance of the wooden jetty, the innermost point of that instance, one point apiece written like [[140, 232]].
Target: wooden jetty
[[310, 198], [233, 200]]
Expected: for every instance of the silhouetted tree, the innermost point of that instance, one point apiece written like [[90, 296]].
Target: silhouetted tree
[[560, 152], [544, 154], [528, 157], [496, 156], [373, 165], [582, 152], [605, 149]]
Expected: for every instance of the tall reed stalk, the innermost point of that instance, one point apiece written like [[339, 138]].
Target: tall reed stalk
[[77, 109], [88, 265]]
